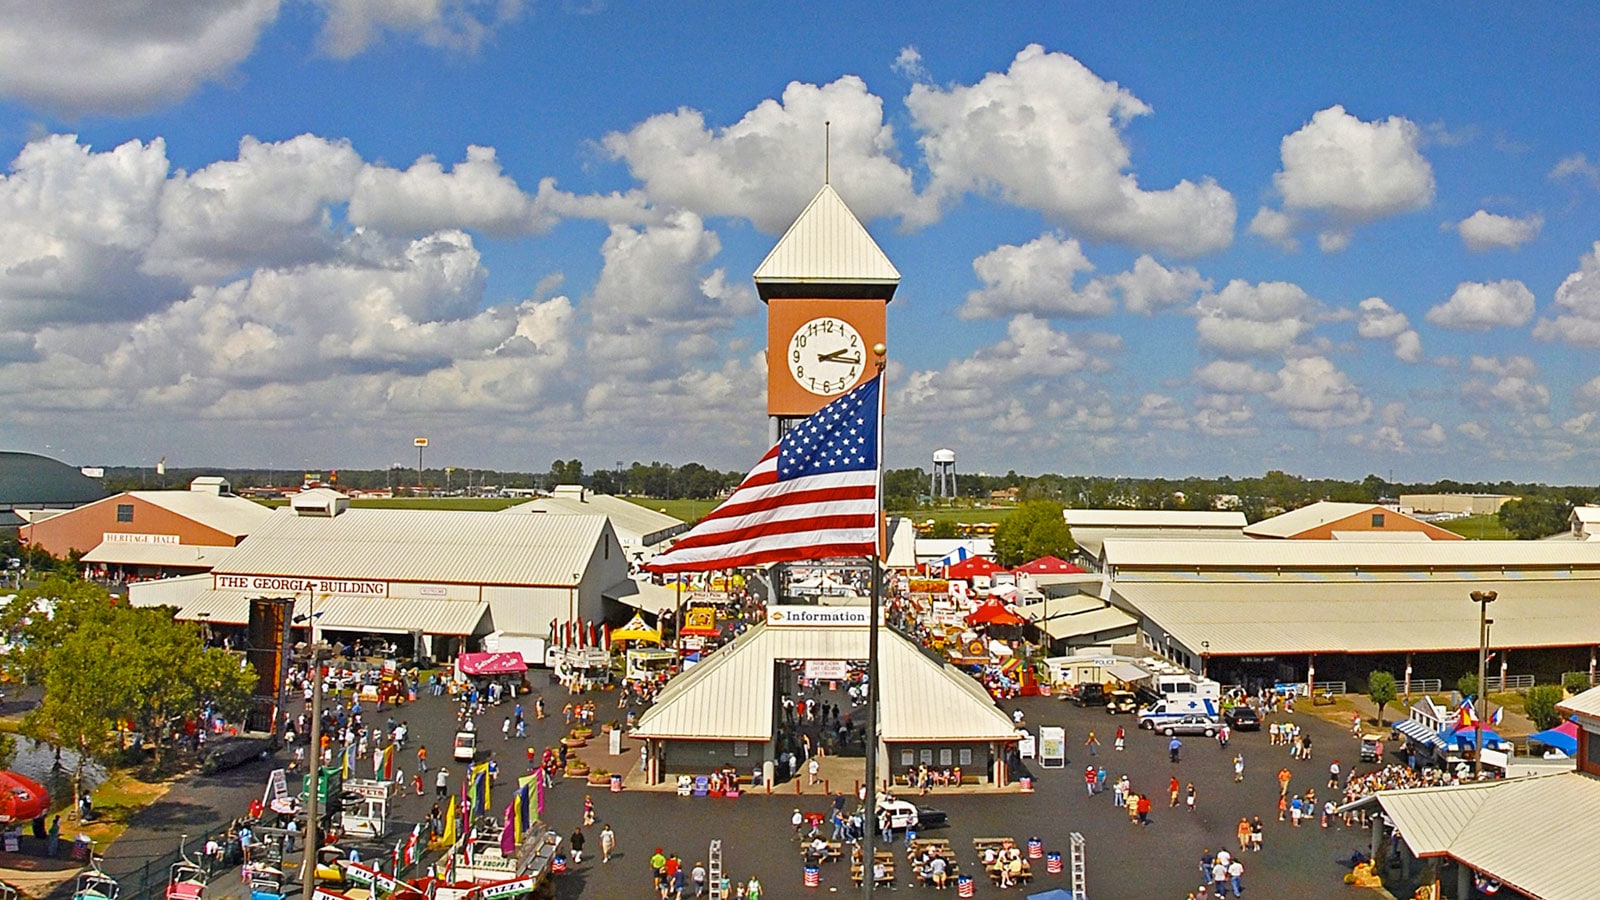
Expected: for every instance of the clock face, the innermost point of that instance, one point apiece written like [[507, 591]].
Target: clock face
[[826, 356]]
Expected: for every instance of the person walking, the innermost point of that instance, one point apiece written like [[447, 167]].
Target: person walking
[[1144, 810], [1238, 767], [1235, 873], [422, 758], [1173, 748], [1257, 832], [441, 784], [1283, 781], [1172, 792], [1088, 779], [1333, 775], [608, 843], [1121, 739], [1243, 833], [1093, 743], [1189, 798], [576, 842]]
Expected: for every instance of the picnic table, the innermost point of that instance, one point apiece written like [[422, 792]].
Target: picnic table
[[981, 844], [942, 845], [888, 872], [994, 872], [833, 850]]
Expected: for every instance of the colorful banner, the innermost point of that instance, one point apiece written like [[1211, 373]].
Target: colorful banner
[[508, 836], [447, 837], [388, 763]]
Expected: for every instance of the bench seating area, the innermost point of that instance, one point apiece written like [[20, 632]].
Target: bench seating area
[[888, 873], [1025, 876], [834, 850]]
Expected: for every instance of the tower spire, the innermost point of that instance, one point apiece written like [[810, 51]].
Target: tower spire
[[827, 149]]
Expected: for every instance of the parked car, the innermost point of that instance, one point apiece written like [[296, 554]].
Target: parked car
[[1089, 694], [904, 814], [1122, 702], [1193, 723], [227, 753], [1241, 718]]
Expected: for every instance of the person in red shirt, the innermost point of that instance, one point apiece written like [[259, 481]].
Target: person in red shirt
[[1172, 791], [1144, 810]]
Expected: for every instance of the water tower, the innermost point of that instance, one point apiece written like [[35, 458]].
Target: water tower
[[944, 474]]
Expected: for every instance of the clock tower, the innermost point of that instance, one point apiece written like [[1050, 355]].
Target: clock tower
[[826, 285]]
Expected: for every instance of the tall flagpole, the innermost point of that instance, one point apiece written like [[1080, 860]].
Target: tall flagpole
[[870, 835]]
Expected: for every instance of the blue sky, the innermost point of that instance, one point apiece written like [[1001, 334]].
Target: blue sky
[[1146, 240]]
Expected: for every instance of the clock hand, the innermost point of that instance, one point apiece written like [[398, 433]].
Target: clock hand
[[839, 356]]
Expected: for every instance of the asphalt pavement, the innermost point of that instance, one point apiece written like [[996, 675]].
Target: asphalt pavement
[[1123, 860]]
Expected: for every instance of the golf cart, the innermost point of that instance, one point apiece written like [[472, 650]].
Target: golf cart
[[95, 884], [266, 882], [1122, 702], [466, 746], [1371, 748]]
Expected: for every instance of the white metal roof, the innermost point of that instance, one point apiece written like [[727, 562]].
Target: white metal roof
[[827, 244], [1588, 515], [191, 556], [1092, 538], [1267, 617], [1358, 559], [1106, 618], [1538, 834], [436, 546], [632, 522], [729, 696], [645, 595], [1380, 536], [1152, 518], [464, 617], [902, 549], [1309, 516], [169, 591], [1586, 704], [233, 516]]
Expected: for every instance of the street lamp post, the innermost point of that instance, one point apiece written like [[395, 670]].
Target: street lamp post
[[1205, 653], [1483, 599]]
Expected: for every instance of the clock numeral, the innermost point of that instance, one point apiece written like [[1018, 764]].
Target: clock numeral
[[797, 355], [800, 372]]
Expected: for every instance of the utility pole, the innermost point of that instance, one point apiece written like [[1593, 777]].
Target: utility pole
[[1483, 599]]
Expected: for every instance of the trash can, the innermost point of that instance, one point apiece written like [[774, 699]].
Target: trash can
[[813, 877], [1035, 848], [558, 865], [1052, 863], [80, 847], [616, 784], [965, 888], [1027, 784]]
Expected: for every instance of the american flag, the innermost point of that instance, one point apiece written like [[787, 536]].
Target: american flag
[[812, 496]]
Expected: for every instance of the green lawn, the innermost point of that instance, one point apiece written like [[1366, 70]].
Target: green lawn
[[1484, 528]]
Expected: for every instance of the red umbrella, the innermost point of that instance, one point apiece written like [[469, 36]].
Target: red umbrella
[[993, 612], [1049, 565], [21, 798], [974, 565]]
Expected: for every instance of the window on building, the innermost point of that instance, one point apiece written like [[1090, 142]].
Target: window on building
[[124, 512], [964, 757], [1377, 520], [1593, 741], [946, 757], [741, 748], [908, 758], [927, 757]]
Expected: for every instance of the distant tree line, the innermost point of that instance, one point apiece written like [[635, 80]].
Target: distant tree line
[[1542, 509]]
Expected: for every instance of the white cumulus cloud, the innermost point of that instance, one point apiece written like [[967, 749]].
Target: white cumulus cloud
[[1485, 230], [1480, 306], [1578, 299], [769, 164], [1245, 319], [1380, 321], [1514, 384], [1315, 393], [90, 56], [351, 26], [1046, 134], [1036, 277], [1339, 173], [1226, 376]]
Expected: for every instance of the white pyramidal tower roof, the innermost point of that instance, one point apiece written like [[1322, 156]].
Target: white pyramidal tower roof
[[827, 245]]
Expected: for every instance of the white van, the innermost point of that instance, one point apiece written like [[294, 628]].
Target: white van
[[1171, 708], [466, 746]]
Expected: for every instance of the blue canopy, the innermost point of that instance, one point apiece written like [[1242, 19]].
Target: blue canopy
[[1557, 738], [1463, 737]]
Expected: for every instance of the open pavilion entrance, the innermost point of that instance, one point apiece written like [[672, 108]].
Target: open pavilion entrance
[[729, 711]]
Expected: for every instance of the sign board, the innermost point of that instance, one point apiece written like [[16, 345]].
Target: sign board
[[419, 442], [277, 787], [827, 669], [129, 537], [1025, 743], [506, 888], [958, 590], [1052, 747], [300, 585], [615, 742], [818, 616]]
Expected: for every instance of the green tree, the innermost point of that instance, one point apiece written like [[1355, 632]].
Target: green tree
[[1575, 682], [1531, 518], [1541, 705], [42, 616], [1467, 685], [173, 675], [1381, 689], [1035, 529], [86, 690], [944, 530]]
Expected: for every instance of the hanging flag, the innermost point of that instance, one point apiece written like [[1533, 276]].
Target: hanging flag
[[350, 760], [1499, 713], [524, 802], [480, 789], [161, 466], [409, 856], [388, 763], [508, 839], [1465, 716], [514, 814], [447, 836], [606, 642], [814, 495]]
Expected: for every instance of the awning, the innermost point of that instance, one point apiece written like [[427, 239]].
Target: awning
[[491, 663], [167, 556], [1563, 737], [1463, 738], [1420, 733], [1125, 672], [395, 616], [636, 630], [646, 595]]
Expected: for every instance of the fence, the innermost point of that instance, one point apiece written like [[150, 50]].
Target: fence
[[1425, 685], [1592, 678], [1494, 684], [1328, 687]]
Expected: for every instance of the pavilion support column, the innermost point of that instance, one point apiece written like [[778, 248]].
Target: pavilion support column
[[1408, 677], [1376, 843], [1592, 662], [1463, 880], [1311, 675], [1505, 663]]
